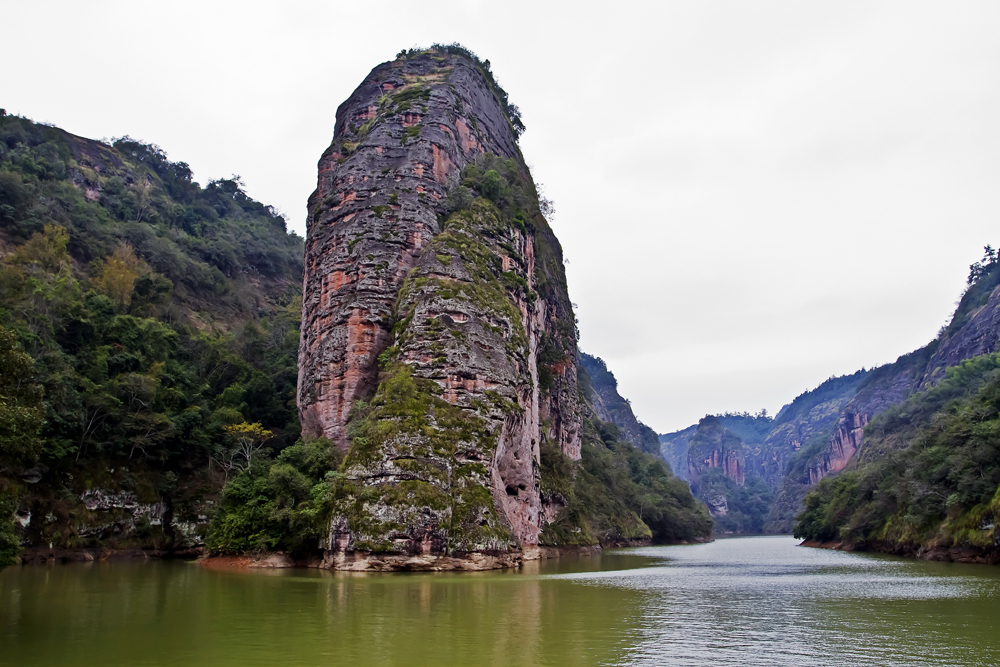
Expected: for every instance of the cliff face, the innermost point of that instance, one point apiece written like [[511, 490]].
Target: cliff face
[[438, 343], [674, 450], [714, 446], [721, 456]]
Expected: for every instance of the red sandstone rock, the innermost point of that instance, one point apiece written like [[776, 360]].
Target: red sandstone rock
[[374, 266]]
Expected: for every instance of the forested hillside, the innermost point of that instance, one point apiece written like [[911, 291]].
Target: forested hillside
[[155, 314], [927, 478], [924, 474], [601, 390]]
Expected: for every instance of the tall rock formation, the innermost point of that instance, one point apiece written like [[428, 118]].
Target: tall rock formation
[[715, 446], [438, 343]]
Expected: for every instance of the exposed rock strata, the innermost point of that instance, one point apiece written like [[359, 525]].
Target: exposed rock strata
[[438, 349], [714, 446]]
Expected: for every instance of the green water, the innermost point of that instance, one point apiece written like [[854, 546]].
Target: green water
[[744, 601]]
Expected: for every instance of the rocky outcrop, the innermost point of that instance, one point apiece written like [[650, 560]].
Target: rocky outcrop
[[714, 446], [107, 524], [978, 334], [438, 347]]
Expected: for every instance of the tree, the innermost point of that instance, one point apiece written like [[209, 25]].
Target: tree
[[245, 440], [118, 274], [10, 545], [21, 419], [979, 269], [21, 412]]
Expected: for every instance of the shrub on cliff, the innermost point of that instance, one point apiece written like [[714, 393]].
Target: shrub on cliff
[[277, 504]]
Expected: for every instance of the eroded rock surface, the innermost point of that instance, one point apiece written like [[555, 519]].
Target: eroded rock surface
[[438, 343]]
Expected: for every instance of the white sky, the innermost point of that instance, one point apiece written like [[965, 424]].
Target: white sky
[[753, 196]]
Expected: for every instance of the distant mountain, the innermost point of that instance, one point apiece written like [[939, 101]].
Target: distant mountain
[[819, 433]]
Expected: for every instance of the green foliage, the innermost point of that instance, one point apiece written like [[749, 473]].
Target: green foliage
[[157, 312], [982, 268], [929, 470], [10, 543], [617, 493], [21, 408], [984, 276], [280, 504]]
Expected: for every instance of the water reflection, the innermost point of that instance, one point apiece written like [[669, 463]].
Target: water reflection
[[758, 601]]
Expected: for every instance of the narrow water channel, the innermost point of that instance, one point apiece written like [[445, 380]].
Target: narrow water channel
[[741, 601]]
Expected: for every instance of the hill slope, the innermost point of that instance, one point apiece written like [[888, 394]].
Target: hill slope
[[156, 313], [819, 434]]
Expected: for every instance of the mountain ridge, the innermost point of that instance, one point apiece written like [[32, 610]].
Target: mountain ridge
[[817, 435]]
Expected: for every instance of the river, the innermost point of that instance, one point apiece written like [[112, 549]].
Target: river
[[742, 601]]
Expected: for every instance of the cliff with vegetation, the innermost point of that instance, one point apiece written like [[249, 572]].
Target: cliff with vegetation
[[841, 425], [924, 477], [150, 348], [438, 348], [608, 405], [141, 314]]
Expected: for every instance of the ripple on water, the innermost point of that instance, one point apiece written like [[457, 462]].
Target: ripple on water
[[766, 601], [745, 601]]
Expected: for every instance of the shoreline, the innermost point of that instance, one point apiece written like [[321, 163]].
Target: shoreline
[[360, 561], [349, 562], [945, 554], [368, 562], [46, 556]]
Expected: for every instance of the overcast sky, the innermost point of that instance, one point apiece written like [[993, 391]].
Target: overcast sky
[[752, 196]]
